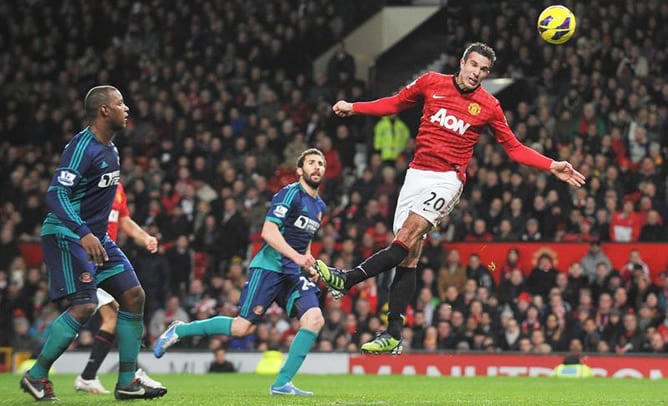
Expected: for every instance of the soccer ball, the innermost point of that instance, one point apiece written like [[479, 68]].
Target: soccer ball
[[556, 24]]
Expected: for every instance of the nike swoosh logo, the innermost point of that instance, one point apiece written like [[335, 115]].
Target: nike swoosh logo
[[435, 96], [140, 391], [39, 394], [290, 392]]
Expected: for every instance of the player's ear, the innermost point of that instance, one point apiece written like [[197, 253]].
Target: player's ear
[[300, 172], [105, 110]]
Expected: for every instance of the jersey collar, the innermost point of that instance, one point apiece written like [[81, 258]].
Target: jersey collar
[[459, 89]]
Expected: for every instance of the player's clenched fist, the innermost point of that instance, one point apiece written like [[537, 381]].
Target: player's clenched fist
[[343, 109]]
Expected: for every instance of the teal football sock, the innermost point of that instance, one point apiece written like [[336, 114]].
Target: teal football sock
[[301, 345], [220, 325], [63, 330], [129, 331]]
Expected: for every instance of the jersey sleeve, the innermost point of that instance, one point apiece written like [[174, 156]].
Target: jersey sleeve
[[409, 96], [322, 206], [73, 163], [517, 151], [280, 206], [123, 210]]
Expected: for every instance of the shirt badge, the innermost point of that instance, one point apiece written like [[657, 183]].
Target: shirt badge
[[474, 109]]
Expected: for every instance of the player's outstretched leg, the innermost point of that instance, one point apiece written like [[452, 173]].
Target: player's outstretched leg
[[166, 339], [384, 343], [382, 261], [333, 277]]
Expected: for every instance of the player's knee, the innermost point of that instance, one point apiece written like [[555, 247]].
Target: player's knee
[[82, 305], [133, 299], [241, 327], [82, 312], [313, 320]]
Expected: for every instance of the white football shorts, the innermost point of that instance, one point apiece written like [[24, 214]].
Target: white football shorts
[[431, 195], [103, 298]]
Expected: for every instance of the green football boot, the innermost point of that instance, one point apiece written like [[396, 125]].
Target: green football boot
[[384, 343], [333, 277]]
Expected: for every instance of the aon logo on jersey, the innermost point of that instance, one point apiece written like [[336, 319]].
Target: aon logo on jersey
[[449, 121]]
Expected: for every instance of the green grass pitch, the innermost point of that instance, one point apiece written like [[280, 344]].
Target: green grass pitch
[[251, 390]]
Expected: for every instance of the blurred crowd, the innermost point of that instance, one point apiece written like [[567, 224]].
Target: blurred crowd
[[223, 98]]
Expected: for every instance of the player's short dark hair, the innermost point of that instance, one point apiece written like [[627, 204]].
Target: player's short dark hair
[[96, 97], [481, 48], [310, 151]]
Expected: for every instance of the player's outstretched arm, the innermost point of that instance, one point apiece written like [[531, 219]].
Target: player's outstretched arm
[[380, 107], [565, 172], [131, 228], [343, 109]]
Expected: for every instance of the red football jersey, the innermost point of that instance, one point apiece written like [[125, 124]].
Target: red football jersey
[[118, 209], [451, 122]]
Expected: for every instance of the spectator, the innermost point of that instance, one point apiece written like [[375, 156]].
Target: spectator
[[232, 229], [479, 232], [543, 277], [512, 287], [576, 282], [341, 66], [477, 271], [334, 326], [631, 338], [334, 168], [390, 138], [532, 231], [635, 262], [433, 254], [511, 336], [180, 258], [625, 225], [592, 258], [426, 303], [220, 364], [452, 274], [9, 249], [163, 317], [22, 340], [654, 230], [154, 273], [511, 264], [531, 321], [505, 232]]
